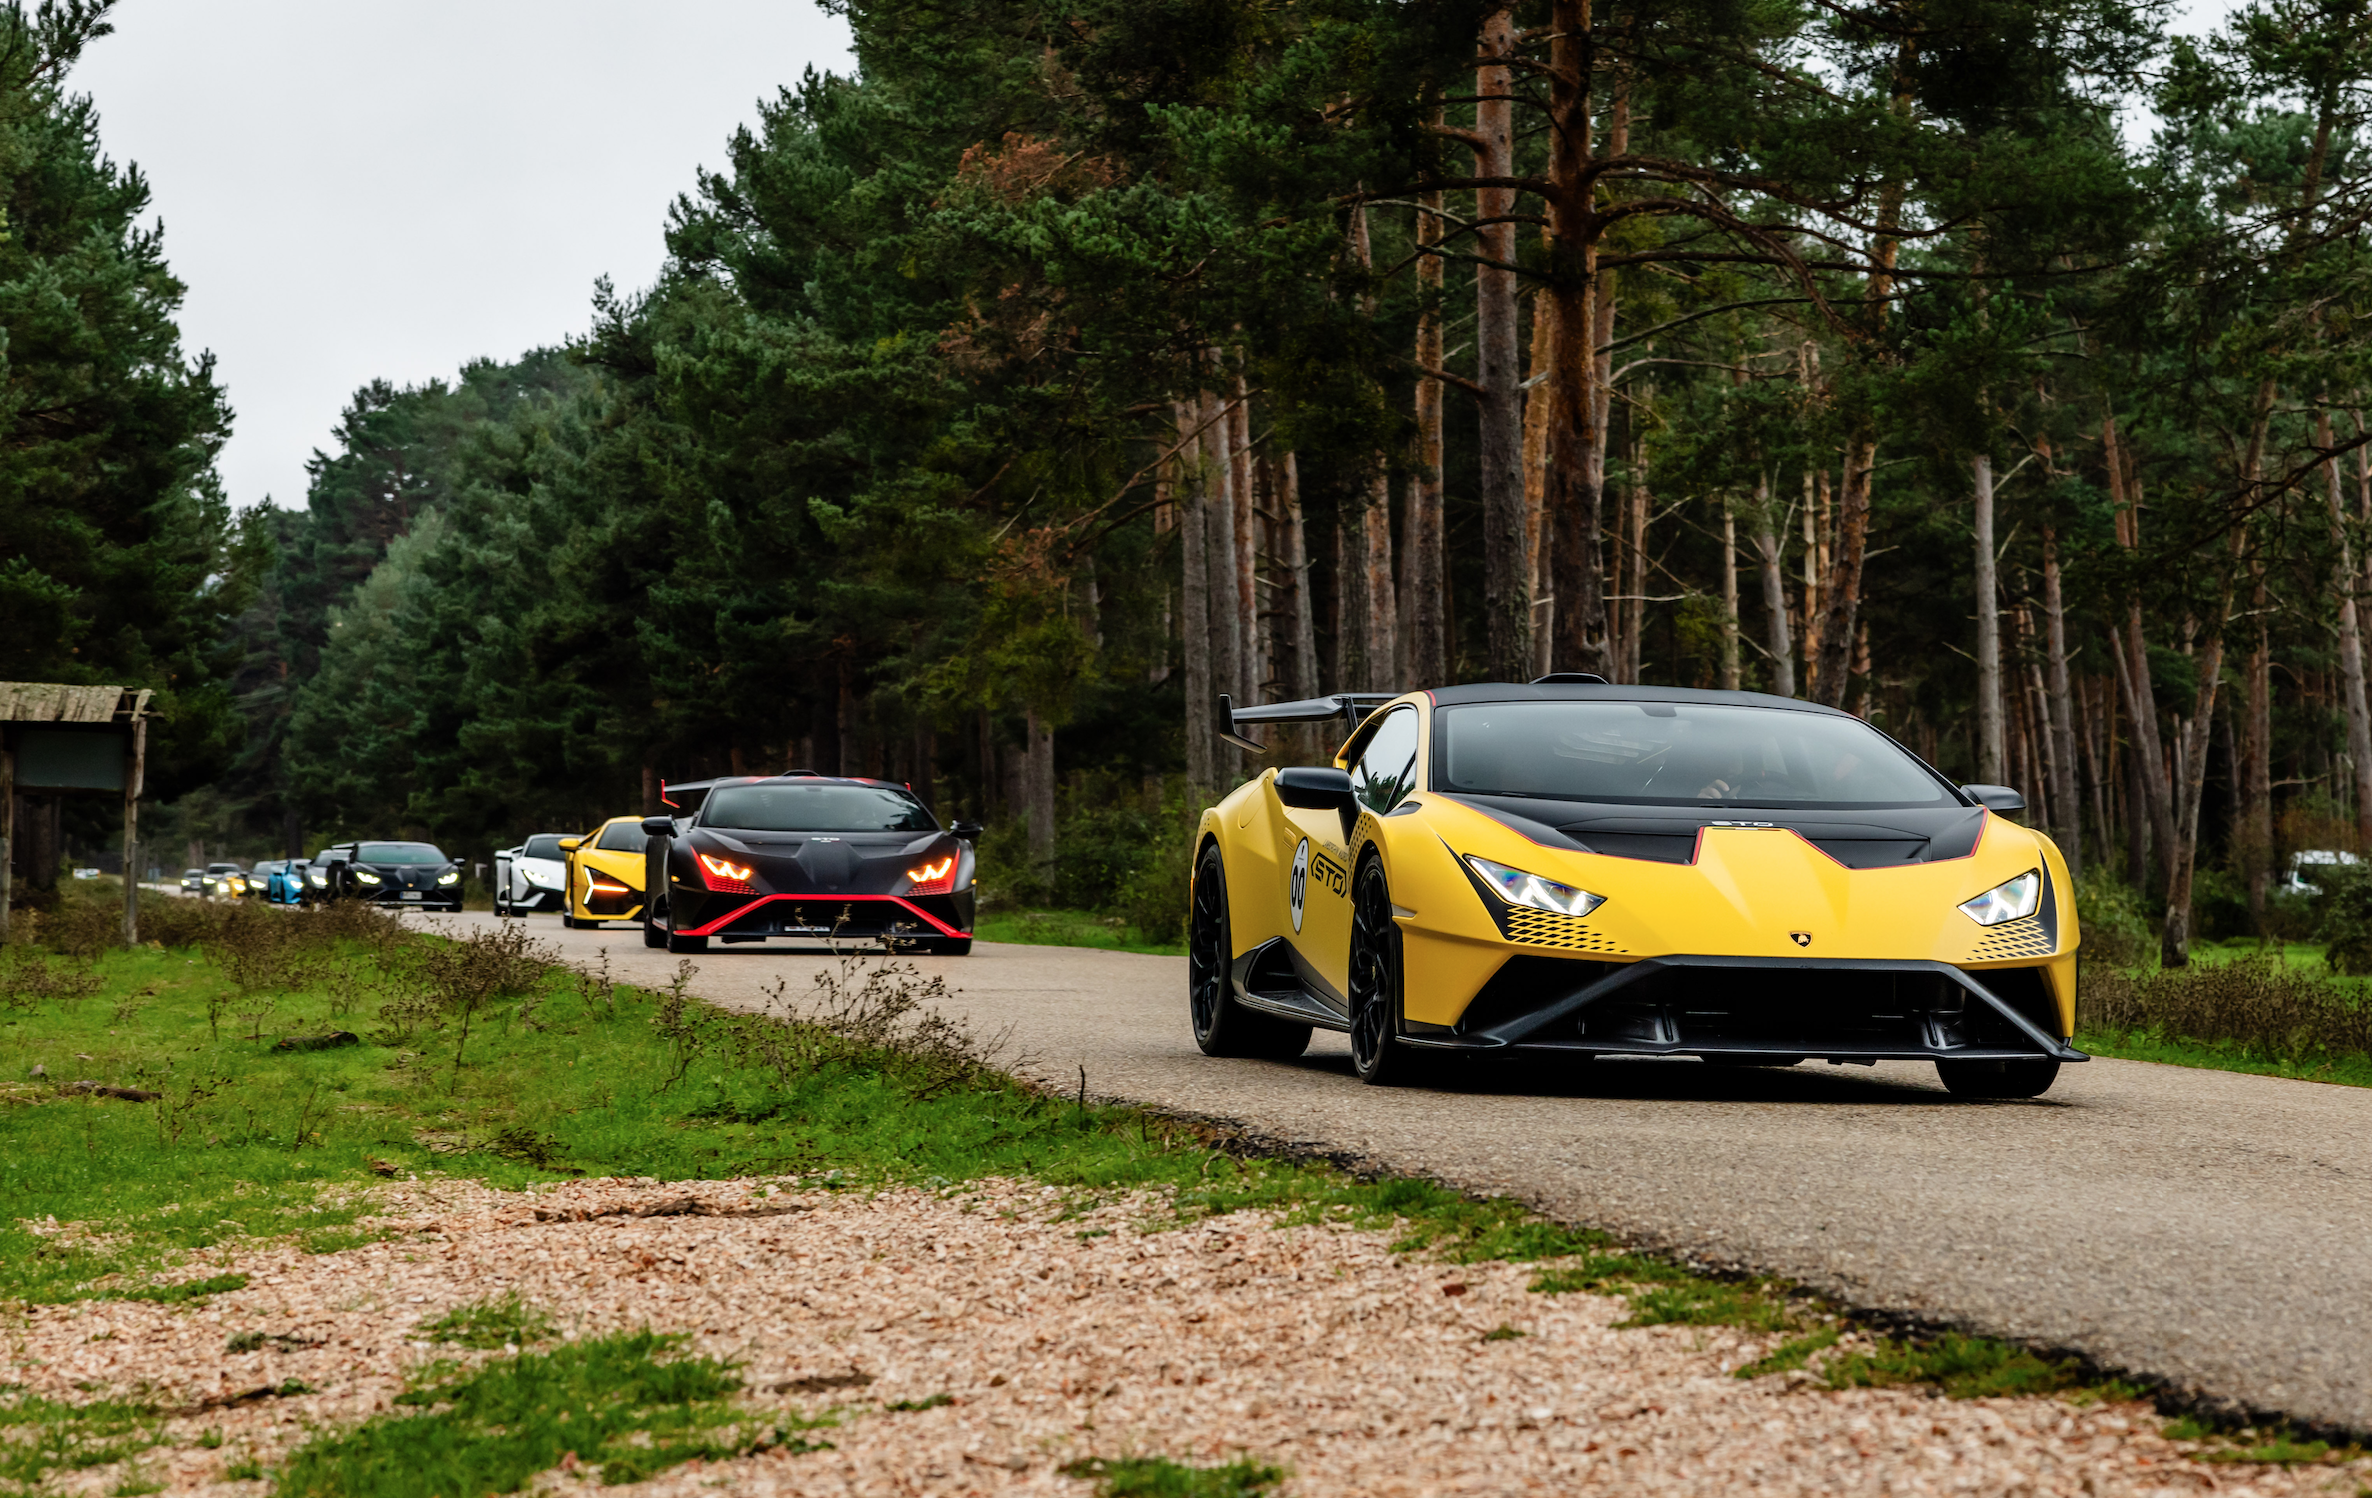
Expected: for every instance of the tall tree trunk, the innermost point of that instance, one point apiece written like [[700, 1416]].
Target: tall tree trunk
[[1635, 612], [1729, 596], [2345, 585], [1507, 573], [1195, 610], [1842, 608], [1383, 614], [1774, 575], [2255, 843], [2063, 739], [1218, 497], [2158, 785], [2174, 942], [1573, 497], [1540, 399], [1038, 780], [1243, 508], [1350, 601], [1425, 633], [1988, 595], [1813, 570], [1303, 682]]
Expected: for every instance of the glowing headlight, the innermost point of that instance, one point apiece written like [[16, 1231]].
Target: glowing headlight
[[318, 878], [2012, 900], [450, 876], [538, 876], [1533, 892], [933, 878], [365, 876], [724, 873]]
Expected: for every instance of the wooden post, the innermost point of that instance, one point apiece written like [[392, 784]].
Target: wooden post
[[132, 778]]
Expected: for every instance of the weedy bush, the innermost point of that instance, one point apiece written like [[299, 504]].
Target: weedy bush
[[2346, 925], [2117, 928], [29, 979], [2270, 1009], [457, 981]]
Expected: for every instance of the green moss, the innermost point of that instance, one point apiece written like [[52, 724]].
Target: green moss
[[1159, 1477], [506, 1321], [624, 1403]]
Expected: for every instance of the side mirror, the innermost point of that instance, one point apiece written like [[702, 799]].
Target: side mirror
[[968, 831], [656, 827], [2000, 798], [569, 844], [1315, 788], [1320, 788]]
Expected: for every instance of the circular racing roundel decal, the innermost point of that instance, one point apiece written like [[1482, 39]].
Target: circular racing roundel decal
[[1299, 885]]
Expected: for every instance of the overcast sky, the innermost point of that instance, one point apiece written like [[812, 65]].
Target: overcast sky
[[357, 190]]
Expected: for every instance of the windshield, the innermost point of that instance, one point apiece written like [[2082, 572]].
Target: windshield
[[399, 853], [1677, 754], [623, 837], [543, 845], [823, 807]]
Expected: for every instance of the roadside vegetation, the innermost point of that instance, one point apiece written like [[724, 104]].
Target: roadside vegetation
[[248, 1076], [2295, 1002]]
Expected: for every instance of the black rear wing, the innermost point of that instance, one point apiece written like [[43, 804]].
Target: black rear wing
[[1351, 707]]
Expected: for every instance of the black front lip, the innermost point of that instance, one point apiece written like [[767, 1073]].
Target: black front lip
[[1528, 1031]]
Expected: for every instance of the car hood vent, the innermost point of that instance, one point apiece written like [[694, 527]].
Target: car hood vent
[[828, 862], [1656, 847]]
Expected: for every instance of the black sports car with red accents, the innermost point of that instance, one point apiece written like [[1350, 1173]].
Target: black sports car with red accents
[[808, 858]]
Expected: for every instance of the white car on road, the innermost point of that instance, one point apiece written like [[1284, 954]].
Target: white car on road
[[532, 876]]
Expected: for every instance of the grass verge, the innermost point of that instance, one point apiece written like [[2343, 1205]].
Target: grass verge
[[1159, 1477], [1069, 928], [623, 1405], [476, 1058], [2346, 1071]]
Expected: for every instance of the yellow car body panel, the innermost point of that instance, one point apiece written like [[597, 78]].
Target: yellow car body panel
[[606, 884], [1761, 896]]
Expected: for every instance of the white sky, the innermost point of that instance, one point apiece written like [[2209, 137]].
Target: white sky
[[357, 190]]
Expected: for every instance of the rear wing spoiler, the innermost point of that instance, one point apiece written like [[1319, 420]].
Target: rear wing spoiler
[[1351, 707]]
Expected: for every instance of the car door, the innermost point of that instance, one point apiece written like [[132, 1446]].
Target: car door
[[1383, 771]]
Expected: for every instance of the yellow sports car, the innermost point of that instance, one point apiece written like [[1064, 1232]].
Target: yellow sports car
[[605, 873], [1583, 870]]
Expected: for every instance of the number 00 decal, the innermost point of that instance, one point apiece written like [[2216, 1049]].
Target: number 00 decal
[[1299, 884]]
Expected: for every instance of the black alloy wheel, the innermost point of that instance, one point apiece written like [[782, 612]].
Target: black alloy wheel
[[1997, 1079], [1222, 1026], [680, 943], [1378, 1054]]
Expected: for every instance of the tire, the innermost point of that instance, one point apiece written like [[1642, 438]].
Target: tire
[[567, 922], [1997, 1079], [1222, 1026], [1734, 1059], [948, 946], [653, 934], [502, 909], [677, 943], [1377, 1053]]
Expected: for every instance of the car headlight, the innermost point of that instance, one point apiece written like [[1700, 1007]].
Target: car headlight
[[1533, 892], [724, 868], [318, 878], [450, 876], [2011, 900], [365, 876], [932, 877]]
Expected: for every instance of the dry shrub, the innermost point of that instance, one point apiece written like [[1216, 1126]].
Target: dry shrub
[[171, 921], [456, 981], [28, 978], [864, 1009], [2270, 1009]]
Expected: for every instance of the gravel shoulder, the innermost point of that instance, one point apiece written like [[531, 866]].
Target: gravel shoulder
[[1055, 1330], [2202, 1228]]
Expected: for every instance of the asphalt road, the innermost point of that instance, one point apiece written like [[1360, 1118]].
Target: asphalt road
[[2209, 1229]]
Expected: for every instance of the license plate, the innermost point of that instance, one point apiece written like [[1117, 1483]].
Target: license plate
[[411, 894]]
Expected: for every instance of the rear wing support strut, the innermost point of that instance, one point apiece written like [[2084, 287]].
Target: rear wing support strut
[[1351, 707]]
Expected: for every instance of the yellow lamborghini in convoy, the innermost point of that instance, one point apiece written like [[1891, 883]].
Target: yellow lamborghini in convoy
[[1581, 870]]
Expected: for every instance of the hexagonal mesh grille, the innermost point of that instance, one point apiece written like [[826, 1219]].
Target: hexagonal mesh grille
[[1541, 929], [2022, 938]]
